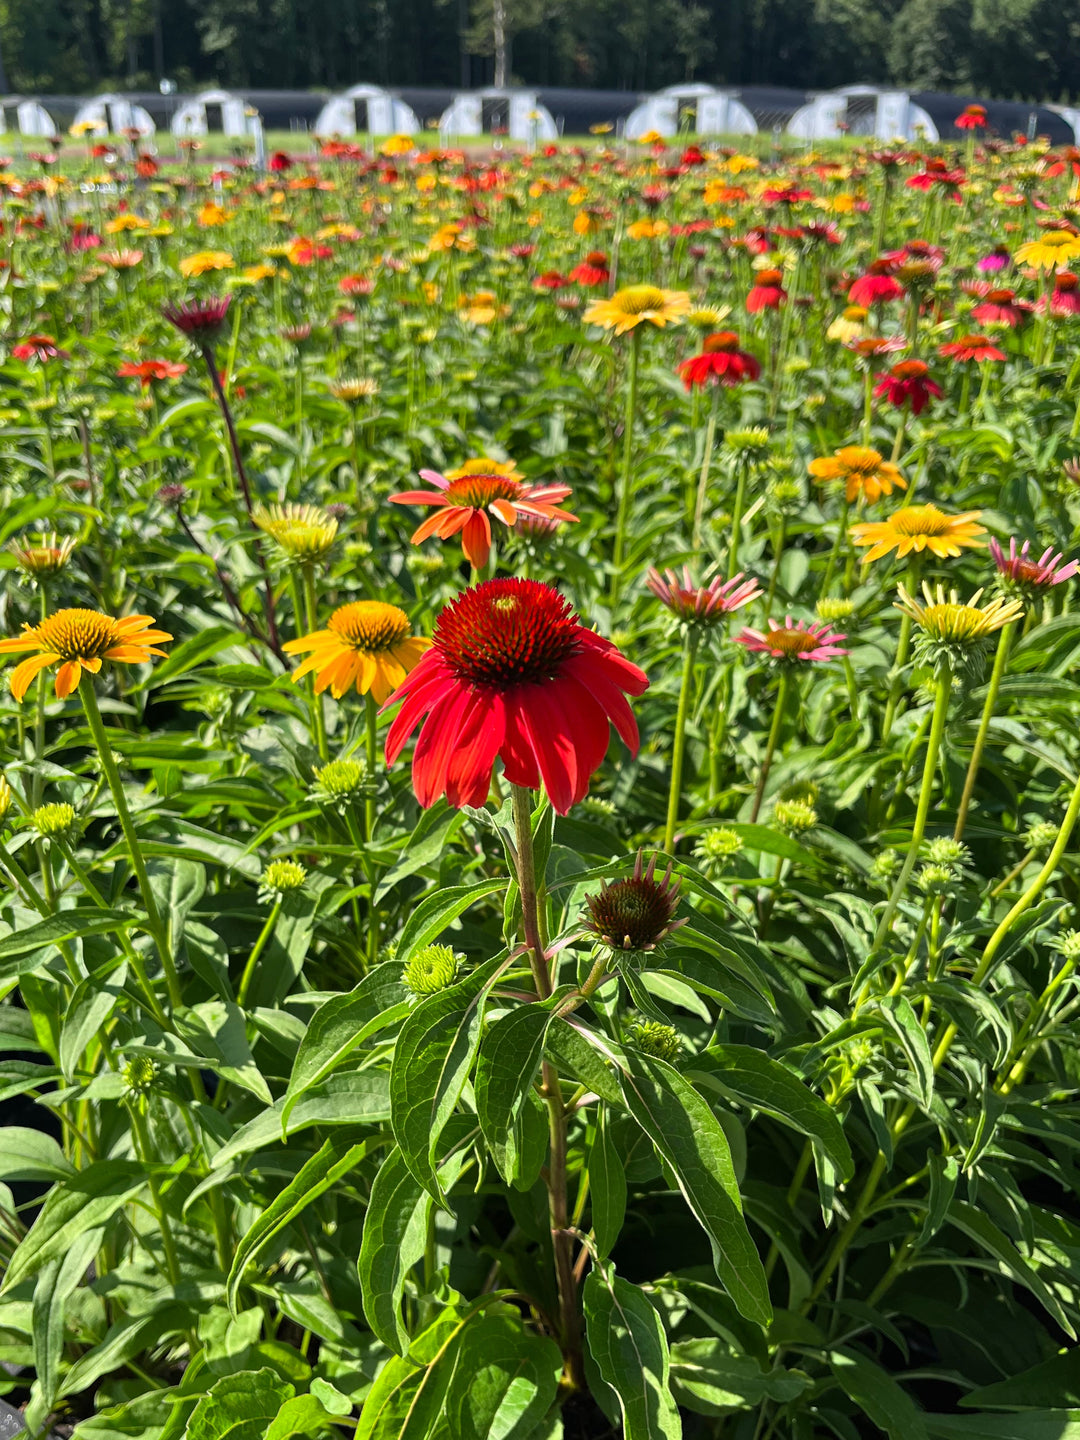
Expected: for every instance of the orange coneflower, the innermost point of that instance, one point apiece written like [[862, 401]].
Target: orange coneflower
[[466, 496], [634, 304], [79, 640], [918, 528], [863, 470], [979, 348], [366, 643]]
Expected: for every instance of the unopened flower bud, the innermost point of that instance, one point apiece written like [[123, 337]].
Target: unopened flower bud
[[279, 878], [430, 970], [651, 1038]]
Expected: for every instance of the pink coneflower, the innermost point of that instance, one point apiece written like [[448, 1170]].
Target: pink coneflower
[[793, 641], [1021, 574], [704, 604], [199, 320], [996, 260], [1065, 296], [38, 347]]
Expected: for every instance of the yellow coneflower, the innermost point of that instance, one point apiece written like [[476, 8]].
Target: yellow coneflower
[[367, 643], [44, 559], [1051, 251], [303, 533], [483, 308], [397, 145], [918, 528], [205, 261], [634, 305], [707, 317], [849, 325], [954, 621], [864, 472], [352, 391], [79, 640]]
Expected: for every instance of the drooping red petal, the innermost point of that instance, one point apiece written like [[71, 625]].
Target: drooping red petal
[[552, 741], [435, 746], [609, 697], [516, 753], [468, 776], [418, 702]]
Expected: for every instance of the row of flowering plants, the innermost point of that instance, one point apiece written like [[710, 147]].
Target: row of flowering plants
[[540, 765]]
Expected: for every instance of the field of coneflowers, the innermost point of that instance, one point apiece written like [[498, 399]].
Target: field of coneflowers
[[540, 748]]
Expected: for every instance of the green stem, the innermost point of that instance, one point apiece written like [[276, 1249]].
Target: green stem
[[736, 521], [311, 608], [116, 786], [558, 1198], [937, 730], [774, 735], [706, 464], [679, 746], [256, 951], [623, 510], [1001, 658]]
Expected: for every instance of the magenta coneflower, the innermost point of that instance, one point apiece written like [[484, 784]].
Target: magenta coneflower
[[1023, 575], [793, 641], [703, 604], [199, 320], [996, 260]]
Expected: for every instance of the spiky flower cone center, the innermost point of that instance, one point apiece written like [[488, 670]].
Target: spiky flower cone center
[[479, 491], [77, 634], [508, 632], [921, 520], [633, 914], [370, 625], [793, 642], [637, 299]]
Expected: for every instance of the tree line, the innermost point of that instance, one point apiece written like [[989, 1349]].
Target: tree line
[[1025, 49]]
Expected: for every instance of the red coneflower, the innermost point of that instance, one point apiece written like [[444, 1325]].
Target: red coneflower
[[38, 347], [513, 675], [549, 280], [279, 162], [973, 117], [767, 292], [1000, 307], [146, 371], [877, 287], [979, 348], [721, 362], [908, 383], [466, 496], [199, 320], [594, 270], [794, 641]]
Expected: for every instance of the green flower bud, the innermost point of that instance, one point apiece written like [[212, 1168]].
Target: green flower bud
[[430, 970], [54, 822], [1068, 943], [832, 608], [946, 851], [651, 1038], [885, 866], [139, 1074], [936, 879], [716, 847], [794, 817], [339, 783], [1042, 835], [279, 878]]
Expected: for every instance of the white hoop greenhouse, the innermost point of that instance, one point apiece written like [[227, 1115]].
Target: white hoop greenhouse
[[693, 109], [366, 109], [862, 110], [517, 114], [20, 116], [114, 114], [214, 112]]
